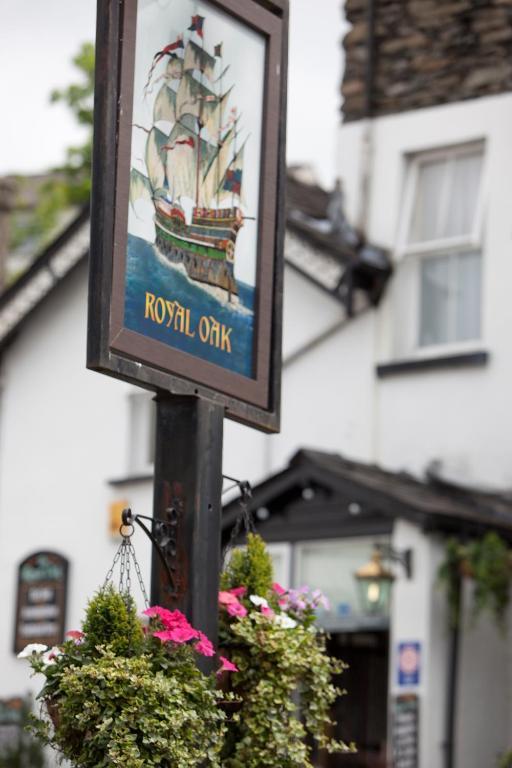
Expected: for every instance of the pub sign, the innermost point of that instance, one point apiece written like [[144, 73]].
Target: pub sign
[[187, 210], [41, 600]]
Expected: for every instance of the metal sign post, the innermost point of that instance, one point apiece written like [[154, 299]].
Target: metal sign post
[[187, 233]]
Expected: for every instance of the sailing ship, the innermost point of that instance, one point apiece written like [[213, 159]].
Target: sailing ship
[[194, 162]]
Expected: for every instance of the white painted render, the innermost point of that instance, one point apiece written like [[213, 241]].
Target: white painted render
[[460, 416], [64, 431]]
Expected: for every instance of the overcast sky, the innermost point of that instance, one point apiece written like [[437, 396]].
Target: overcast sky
[[39, 39]]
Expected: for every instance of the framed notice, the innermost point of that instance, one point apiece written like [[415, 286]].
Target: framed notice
[[187, 210], [41, 600], [405, 726]]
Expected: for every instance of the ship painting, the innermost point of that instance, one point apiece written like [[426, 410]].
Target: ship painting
[[194, 161]]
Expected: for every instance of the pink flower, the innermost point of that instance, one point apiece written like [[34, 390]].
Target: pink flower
[[237, 609], [156, 611], [238, 591], [177, 635], [278, 589], [204, 646], [268, 612], [227, 598], [227, 666], [76, 635]]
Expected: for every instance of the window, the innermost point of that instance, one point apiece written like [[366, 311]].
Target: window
[[141, 453], [439, 273]]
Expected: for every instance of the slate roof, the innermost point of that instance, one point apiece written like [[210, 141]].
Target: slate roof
[[323, 494], [336, 259]]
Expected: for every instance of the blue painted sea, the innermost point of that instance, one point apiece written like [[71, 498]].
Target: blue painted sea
[[148, 271]]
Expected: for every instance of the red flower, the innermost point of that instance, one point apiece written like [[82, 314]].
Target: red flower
[[278, 589], [75, 634]]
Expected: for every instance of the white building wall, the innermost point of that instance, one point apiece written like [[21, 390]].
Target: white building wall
[[418, 614], [63, 435], [484, 692], [460, 416]]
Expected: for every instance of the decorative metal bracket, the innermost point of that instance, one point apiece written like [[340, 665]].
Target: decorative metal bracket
[[160, 535], [403, 557], [163, 534]]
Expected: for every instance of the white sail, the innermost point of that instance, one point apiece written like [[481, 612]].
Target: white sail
[[140, 188], [216, 170], [174, 69], [195, 99], [197, 58], [184, 149], [155, 159], [164, 108], [213, 119]]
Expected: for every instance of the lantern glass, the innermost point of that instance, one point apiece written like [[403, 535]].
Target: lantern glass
[[374, 583], [375, 596]]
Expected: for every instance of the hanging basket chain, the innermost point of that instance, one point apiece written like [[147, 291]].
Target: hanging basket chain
[[125, 555]]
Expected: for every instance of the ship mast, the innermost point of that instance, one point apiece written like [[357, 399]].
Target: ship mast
[[199, 123]]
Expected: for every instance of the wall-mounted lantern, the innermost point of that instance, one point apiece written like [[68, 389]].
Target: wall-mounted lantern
[[375, 580]]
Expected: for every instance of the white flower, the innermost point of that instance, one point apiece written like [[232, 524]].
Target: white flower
[[50, 655], [285, 621], [31, 649], [258, 601]]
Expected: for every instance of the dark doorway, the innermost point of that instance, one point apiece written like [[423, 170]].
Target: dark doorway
[[361, 714]]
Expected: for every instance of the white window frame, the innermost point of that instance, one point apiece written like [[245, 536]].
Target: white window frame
[[443, 246]]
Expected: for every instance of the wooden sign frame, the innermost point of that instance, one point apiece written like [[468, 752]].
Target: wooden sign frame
[[117, 350]]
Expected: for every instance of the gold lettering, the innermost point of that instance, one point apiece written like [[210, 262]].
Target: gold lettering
[[170, 310], [159, 310], [187, 325], [204, 329], [225, 341], [150, 300], [214, 332], [179, 318]]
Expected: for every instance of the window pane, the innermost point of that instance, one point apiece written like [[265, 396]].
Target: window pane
[[437, 297], [330, 566], [468, 296], [426, 218], [465, 183]]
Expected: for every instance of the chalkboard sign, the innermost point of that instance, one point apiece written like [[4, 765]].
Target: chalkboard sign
[[11, 716], [405, 731], [41, 601]]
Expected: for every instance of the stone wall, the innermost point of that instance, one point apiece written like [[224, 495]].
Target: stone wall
[[426, 52]]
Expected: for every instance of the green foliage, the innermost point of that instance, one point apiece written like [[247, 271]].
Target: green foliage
[[488, 562], [284, 678], [250, 567], [117, 711], [69, 185], [490, 565], [505, 760], [25, 752], [450, 575], [275, 665], [122, 697], [111, 621]]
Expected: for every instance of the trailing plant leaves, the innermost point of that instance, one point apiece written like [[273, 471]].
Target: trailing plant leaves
[[284, 678]]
